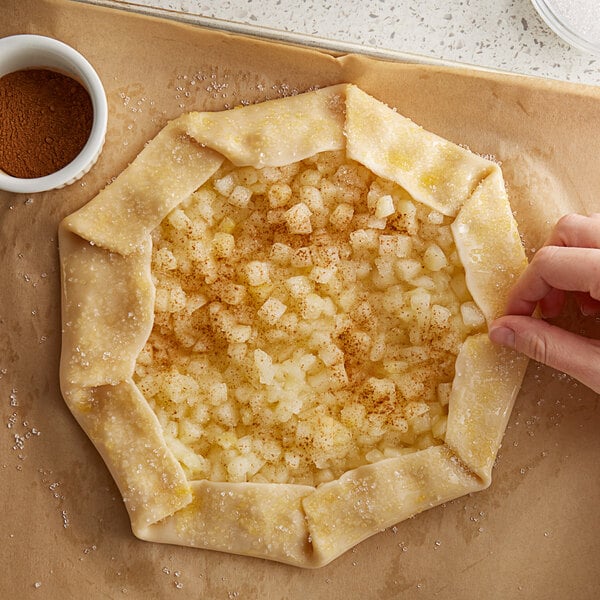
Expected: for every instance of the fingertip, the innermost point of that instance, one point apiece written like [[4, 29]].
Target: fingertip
[[553, 303], [502, 335], [587, 305], [588, 311], [554, 346]]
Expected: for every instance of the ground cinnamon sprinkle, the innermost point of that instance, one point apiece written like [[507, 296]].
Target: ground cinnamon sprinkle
[[45, 120]]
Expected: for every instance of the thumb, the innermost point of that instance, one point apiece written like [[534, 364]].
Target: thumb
[[560, 349]]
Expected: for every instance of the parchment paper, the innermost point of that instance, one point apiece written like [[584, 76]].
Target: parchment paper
[[534, 533]]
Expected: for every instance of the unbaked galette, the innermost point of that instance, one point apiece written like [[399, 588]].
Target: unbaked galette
[[274, 325]]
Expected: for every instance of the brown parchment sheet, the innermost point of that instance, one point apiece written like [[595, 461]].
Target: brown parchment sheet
[[64, 532]]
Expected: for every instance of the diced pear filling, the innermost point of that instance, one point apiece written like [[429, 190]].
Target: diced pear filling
[[307, 321]]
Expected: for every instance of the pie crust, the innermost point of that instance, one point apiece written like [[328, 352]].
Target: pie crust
[[108, 308]]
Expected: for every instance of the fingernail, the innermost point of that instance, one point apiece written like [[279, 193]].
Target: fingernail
[[503, 336]]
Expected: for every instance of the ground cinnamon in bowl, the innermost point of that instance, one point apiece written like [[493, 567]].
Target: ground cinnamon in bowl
[[45, 120]]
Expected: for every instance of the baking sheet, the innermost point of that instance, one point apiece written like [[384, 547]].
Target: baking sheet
[[335, 47], [65, 532]]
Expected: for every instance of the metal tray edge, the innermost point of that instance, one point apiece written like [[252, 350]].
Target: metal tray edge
[[288, 37]]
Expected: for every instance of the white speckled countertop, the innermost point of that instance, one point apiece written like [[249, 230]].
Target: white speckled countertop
[[501, 34]]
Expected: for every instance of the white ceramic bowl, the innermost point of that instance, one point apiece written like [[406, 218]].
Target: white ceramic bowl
[[34, 51]]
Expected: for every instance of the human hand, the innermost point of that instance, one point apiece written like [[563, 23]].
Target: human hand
[[568, 262]]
